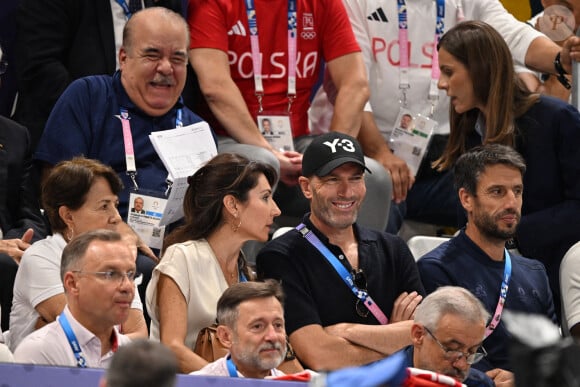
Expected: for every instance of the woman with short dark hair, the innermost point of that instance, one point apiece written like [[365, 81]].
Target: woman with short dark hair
[[79, 195]]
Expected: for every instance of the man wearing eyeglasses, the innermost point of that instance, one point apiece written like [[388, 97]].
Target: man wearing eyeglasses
[[370, 277], [98, 274], [489, 180], [447, 335]]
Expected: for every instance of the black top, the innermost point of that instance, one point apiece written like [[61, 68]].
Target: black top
[[315, 294]]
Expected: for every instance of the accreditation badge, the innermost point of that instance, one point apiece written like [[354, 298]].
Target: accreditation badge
[[410, 137], [145, 212], [277, 130]]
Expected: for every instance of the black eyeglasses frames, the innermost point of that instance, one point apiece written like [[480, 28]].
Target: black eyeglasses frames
[[455, 355]]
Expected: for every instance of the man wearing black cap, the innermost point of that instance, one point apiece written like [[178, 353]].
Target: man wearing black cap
[[337, 275]]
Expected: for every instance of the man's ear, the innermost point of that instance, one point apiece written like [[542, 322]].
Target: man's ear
[[122, 57], [466, 200], [70, 283], [225, 335], [417, 334], [304, 183]]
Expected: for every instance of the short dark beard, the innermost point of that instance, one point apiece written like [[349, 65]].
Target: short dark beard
[[488, 225]]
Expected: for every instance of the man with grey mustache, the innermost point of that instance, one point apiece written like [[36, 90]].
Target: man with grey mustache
[[109, 118], [251, 325], [92, 114]]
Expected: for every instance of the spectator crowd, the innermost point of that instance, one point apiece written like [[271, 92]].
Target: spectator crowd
[[450, 113]]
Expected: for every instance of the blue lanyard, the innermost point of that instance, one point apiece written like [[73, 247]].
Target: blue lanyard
[[241, 275], [232, 370], [125, 7], [292, 54], [178, 116], [343, 273], [507, 273], [251, 12], [439, 25], [72, 340]]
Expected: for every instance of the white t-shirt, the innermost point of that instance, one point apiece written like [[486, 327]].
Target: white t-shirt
[[5, 354]]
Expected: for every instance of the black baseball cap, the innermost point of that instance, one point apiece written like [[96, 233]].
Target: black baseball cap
[[329, 151]]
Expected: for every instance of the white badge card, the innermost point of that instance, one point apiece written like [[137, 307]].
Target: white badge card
[[277, 130], [145, 213], [410, 138]]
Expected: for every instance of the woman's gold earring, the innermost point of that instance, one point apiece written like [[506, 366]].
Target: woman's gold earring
[[70, 235], [234, 227]]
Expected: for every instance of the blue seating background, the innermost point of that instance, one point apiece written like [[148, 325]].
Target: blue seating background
[[27, 375]]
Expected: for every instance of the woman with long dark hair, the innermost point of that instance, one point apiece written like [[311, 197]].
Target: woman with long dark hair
[[490, 105], [228, 202]]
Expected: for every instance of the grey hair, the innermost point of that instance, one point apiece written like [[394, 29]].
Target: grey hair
[[227, 307], [453, 300]]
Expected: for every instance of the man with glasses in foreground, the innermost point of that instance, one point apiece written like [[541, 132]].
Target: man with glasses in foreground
[[489, 180], [447, 335], [98, 274], [334, 271]]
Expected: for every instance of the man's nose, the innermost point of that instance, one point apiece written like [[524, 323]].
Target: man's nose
[[513, 199], [272, 334], [345, 188], [461, 363], [126, 284], [164, 66]]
